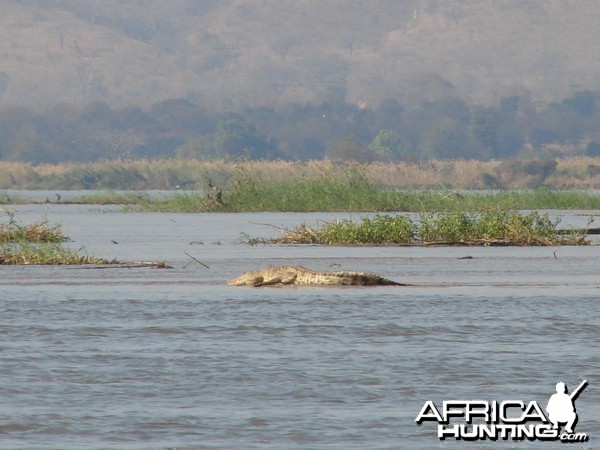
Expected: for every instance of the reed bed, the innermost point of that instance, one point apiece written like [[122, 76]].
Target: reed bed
[[46, 253], [40, 231], [481, 228], [335, 195], [38, 243], [344, 195], [323, 185], [571, 173]]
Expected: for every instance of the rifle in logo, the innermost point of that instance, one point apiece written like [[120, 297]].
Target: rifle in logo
[[580, 388], [561, 406]]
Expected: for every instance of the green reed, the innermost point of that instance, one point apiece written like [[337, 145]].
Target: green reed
[[38, 243], [489, 227], [41, 231], [47, 253]]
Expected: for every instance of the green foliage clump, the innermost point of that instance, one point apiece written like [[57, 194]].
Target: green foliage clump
[[494, 227], [388, 146], [353, 193], [328, 191], [41, 231], [38, 243], [489, 227], [378, 229], [50, 253]]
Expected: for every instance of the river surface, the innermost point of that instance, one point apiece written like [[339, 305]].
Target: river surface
[[143, 358]]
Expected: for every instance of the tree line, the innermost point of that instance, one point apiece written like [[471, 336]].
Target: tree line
[[332, 128]]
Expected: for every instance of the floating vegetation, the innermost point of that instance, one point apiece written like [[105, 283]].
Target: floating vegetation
[[49, 253], [484, 228], [40, 231], [499, 227], [42, 244]]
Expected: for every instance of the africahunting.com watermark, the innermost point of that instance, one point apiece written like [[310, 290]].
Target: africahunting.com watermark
[[517, 420]]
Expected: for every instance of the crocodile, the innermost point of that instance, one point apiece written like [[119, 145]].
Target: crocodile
[[301, 276]]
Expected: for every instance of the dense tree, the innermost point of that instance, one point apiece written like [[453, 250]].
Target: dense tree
[[348, 149], [484, 131], [100, 115], [584, 102], [201, 147], [334, 128], [388, 115], [448, 139], [388, 146], [593, 149], [181, 116], [238, 138]]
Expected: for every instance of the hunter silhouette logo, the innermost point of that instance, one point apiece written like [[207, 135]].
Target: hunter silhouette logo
[[561, 408], [509, 419]]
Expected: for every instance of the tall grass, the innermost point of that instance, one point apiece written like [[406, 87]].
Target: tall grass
[[40, 231], [50, 253], [313, 186], [38, 243], [329, 188], [491, 227], [494, 227], [570, 173], [112, 175], [351, 190]]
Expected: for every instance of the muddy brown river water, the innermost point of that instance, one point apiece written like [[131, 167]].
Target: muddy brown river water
[[154, 358]]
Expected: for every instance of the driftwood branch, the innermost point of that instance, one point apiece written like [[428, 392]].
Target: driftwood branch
[[133, 265], [194, 259]]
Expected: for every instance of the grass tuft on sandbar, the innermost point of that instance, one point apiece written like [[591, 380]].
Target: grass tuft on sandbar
[[40, 231], [482, 228], [46, 253], [38, 243]]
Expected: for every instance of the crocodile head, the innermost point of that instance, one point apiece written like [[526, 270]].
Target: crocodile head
[[247, 279], [280, 275]]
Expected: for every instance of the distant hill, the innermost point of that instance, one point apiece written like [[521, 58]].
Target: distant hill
[[227, 54]]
